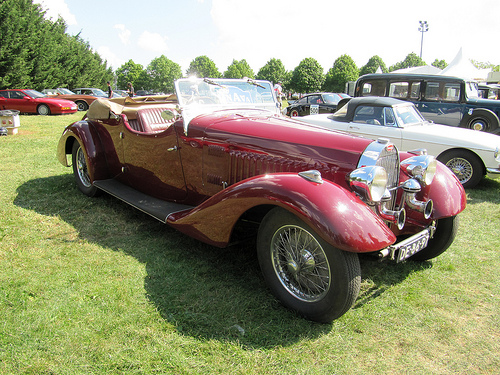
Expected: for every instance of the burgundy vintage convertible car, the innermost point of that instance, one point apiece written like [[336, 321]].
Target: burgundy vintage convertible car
[[217, 157]]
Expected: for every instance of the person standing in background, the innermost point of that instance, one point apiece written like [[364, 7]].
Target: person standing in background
[[110, 90]]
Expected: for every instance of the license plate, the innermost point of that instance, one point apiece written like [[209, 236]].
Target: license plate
[[412, 245]]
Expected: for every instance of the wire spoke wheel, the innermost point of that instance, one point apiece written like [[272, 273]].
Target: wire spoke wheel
[[81, 167], [306, 273], [462, 168], [81, 171], [300, 263]]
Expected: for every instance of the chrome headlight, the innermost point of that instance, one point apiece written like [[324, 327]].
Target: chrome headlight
[[422, 167], [369, 182]]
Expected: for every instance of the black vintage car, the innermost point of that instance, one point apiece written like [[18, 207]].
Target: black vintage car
[[311, 104]]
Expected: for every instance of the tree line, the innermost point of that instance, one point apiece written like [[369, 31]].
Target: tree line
[[38, 53]]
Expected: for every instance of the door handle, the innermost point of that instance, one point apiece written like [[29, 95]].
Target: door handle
[[172, 148]]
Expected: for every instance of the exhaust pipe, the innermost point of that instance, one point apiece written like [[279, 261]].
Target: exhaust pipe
[[411, 188]]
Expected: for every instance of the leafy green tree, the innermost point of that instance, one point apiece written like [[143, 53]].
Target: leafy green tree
[[37, 53], [18, 30], [128, 72], [372, 65], [274, 71], [203, 67], [307, 76], [344, 69], [441, 64], [410, 61], [239, 69], [483, 65], [162, 73]]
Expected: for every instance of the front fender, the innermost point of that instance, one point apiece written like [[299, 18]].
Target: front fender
[[336, 214], [86, 135], [447, 193]]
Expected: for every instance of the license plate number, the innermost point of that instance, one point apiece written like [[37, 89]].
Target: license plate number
[[413, 246]]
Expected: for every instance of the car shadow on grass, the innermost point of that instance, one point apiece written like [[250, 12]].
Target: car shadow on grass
[[205, 292]]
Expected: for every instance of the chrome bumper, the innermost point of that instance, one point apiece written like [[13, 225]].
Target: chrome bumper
[[493, 172]]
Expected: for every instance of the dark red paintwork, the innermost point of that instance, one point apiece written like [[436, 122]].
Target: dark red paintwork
[[229, 163]]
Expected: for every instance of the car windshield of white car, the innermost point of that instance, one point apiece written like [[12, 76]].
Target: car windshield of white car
[[408, 115]]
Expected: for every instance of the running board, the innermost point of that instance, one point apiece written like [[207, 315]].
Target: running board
[[154, 207]]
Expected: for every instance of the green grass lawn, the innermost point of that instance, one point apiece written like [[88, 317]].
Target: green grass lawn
[[92, 286]]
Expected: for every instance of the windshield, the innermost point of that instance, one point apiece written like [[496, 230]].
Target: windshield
[[333, 98], [34, 94], [407, 115], [472, 90], [97, 92], [198, 96], [65, 91]]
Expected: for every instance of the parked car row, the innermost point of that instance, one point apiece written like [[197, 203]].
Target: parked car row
[[232, 167], [444, 100]]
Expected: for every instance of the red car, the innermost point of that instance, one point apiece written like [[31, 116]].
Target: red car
[[31, 101], [218, 162]]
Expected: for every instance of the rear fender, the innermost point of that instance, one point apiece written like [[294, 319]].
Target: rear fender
[[336, 214], [88, 138]]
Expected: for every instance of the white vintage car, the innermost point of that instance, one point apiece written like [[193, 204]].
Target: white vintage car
[[469, 154]]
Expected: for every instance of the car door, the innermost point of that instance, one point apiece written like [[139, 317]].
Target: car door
[[20, 101], [375, 122], [440, 102], [315, 105], [152, 164]]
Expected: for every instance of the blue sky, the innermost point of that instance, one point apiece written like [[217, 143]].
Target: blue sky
[[291, 30]]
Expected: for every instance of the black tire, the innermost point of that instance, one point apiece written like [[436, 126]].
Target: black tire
[[43, 110], [303, 271], [466, 165], [82, 106], [482, 120], [80, 171], [446, 230], [294, 113]]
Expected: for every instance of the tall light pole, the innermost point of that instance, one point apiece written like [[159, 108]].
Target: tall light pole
[[424, 26]]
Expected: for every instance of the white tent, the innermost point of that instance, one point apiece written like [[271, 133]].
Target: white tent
[[425, 69], [463, 68]]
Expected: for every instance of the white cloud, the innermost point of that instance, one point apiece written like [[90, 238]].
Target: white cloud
[[111, 58], [56, 8], [124, 34], [258, 30], [153, 42]]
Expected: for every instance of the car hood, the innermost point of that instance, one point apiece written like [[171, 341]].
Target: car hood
[[260, 132], [62, 102], [452, 136]]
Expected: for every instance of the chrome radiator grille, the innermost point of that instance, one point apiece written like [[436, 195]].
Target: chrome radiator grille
[[386, 155], [389, 159]]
